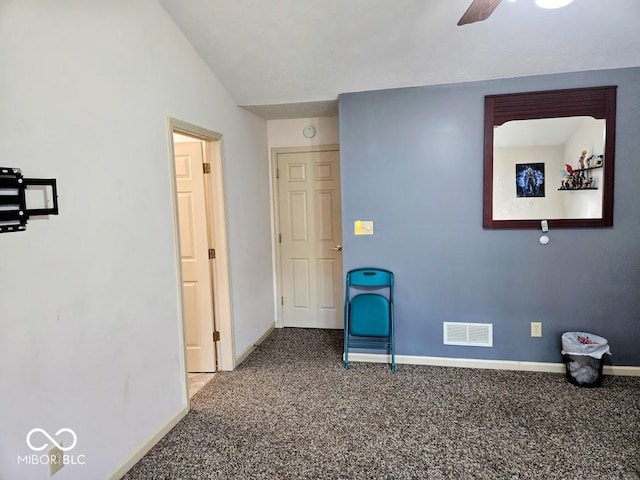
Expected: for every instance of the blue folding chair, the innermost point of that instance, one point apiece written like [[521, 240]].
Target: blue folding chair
[[368, 316]]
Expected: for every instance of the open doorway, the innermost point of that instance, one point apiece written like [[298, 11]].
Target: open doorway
[[197, 252], [206, 326]]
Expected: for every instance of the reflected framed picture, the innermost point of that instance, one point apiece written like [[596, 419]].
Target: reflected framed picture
[[530, 179]]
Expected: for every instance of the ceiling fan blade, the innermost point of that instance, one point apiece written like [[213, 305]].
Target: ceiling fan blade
[[478, 10]]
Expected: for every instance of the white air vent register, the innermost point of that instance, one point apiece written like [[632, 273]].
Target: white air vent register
[[468, 334]]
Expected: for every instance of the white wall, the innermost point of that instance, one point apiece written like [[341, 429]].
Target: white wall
[[288, 133], [88, 299], [590, 137]]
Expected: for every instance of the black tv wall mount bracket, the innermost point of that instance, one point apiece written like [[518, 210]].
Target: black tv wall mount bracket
[[13, 202]]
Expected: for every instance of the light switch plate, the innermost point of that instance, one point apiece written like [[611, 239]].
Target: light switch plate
[[363, 227]]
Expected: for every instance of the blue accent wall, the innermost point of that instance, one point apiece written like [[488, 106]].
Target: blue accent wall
[[412, 161]]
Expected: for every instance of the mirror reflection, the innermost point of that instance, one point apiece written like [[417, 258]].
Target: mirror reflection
[[550, 168]]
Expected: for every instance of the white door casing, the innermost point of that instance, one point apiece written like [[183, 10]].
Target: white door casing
[[194, 248], [310, 237]]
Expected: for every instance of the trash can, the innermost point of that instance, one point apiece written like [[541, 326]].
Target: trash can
[[583, 354]]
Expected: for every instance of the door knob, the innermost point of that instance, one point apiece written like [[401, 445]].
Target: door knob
[[337, 248]]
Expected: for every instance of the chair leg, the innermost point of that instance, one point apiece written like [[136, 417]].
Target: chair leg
[[393, 346], [346, 355], [346, 350], [393, 359], [346, 333]]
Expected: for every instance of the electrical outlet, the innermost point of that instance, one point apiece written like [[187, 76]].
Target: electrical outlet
[[536, 329], [56, 461]]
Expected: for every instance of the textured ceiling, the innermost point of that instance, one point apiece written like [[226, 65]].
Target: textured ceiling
[[270, 54]]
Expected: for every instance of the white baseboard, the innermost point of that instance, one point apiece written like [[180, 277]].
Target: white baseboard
[[622, 370], [147, 445], [247, 351], [485, 364]]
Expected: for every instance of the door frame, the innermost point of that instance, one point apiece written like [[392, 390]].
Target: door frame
[[276, 216], [217, 230]]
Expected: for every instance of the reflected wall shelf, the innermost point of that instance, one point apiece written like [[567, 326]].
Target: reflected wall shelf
[[13, 203]]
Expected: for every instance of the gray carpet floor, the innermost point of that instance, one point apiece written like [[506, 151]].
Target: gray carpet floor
[[290, 411]]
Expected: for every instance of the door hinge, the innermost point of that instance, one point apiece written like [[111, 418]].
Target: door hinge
[[206, 168], [212, 253], [279, 238], [216, 336], [281, 300], [277, 173]]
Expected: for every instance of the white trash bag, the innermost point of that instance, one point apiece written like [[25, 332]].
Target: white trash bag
[[581, 343], [578, 345]]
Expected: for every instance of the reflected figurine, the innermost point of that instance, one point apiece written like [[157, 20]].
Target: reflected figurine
[[591, 157], [581, 161]]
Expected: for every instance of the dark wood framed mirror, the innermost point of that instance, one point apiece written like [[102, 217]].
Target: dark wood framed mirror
[[550, 155]]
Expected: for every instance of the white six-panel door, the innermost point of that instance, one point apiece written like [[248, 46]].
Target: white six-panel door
[[310, 239], [194, 250]]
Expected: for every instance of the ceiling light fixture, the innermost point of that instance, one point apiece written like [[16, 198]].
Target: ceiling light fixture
[[553, 3]]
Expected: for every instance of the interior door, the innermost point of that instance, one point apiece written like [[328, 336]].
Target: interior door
[[311, 239], [194, 250]]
